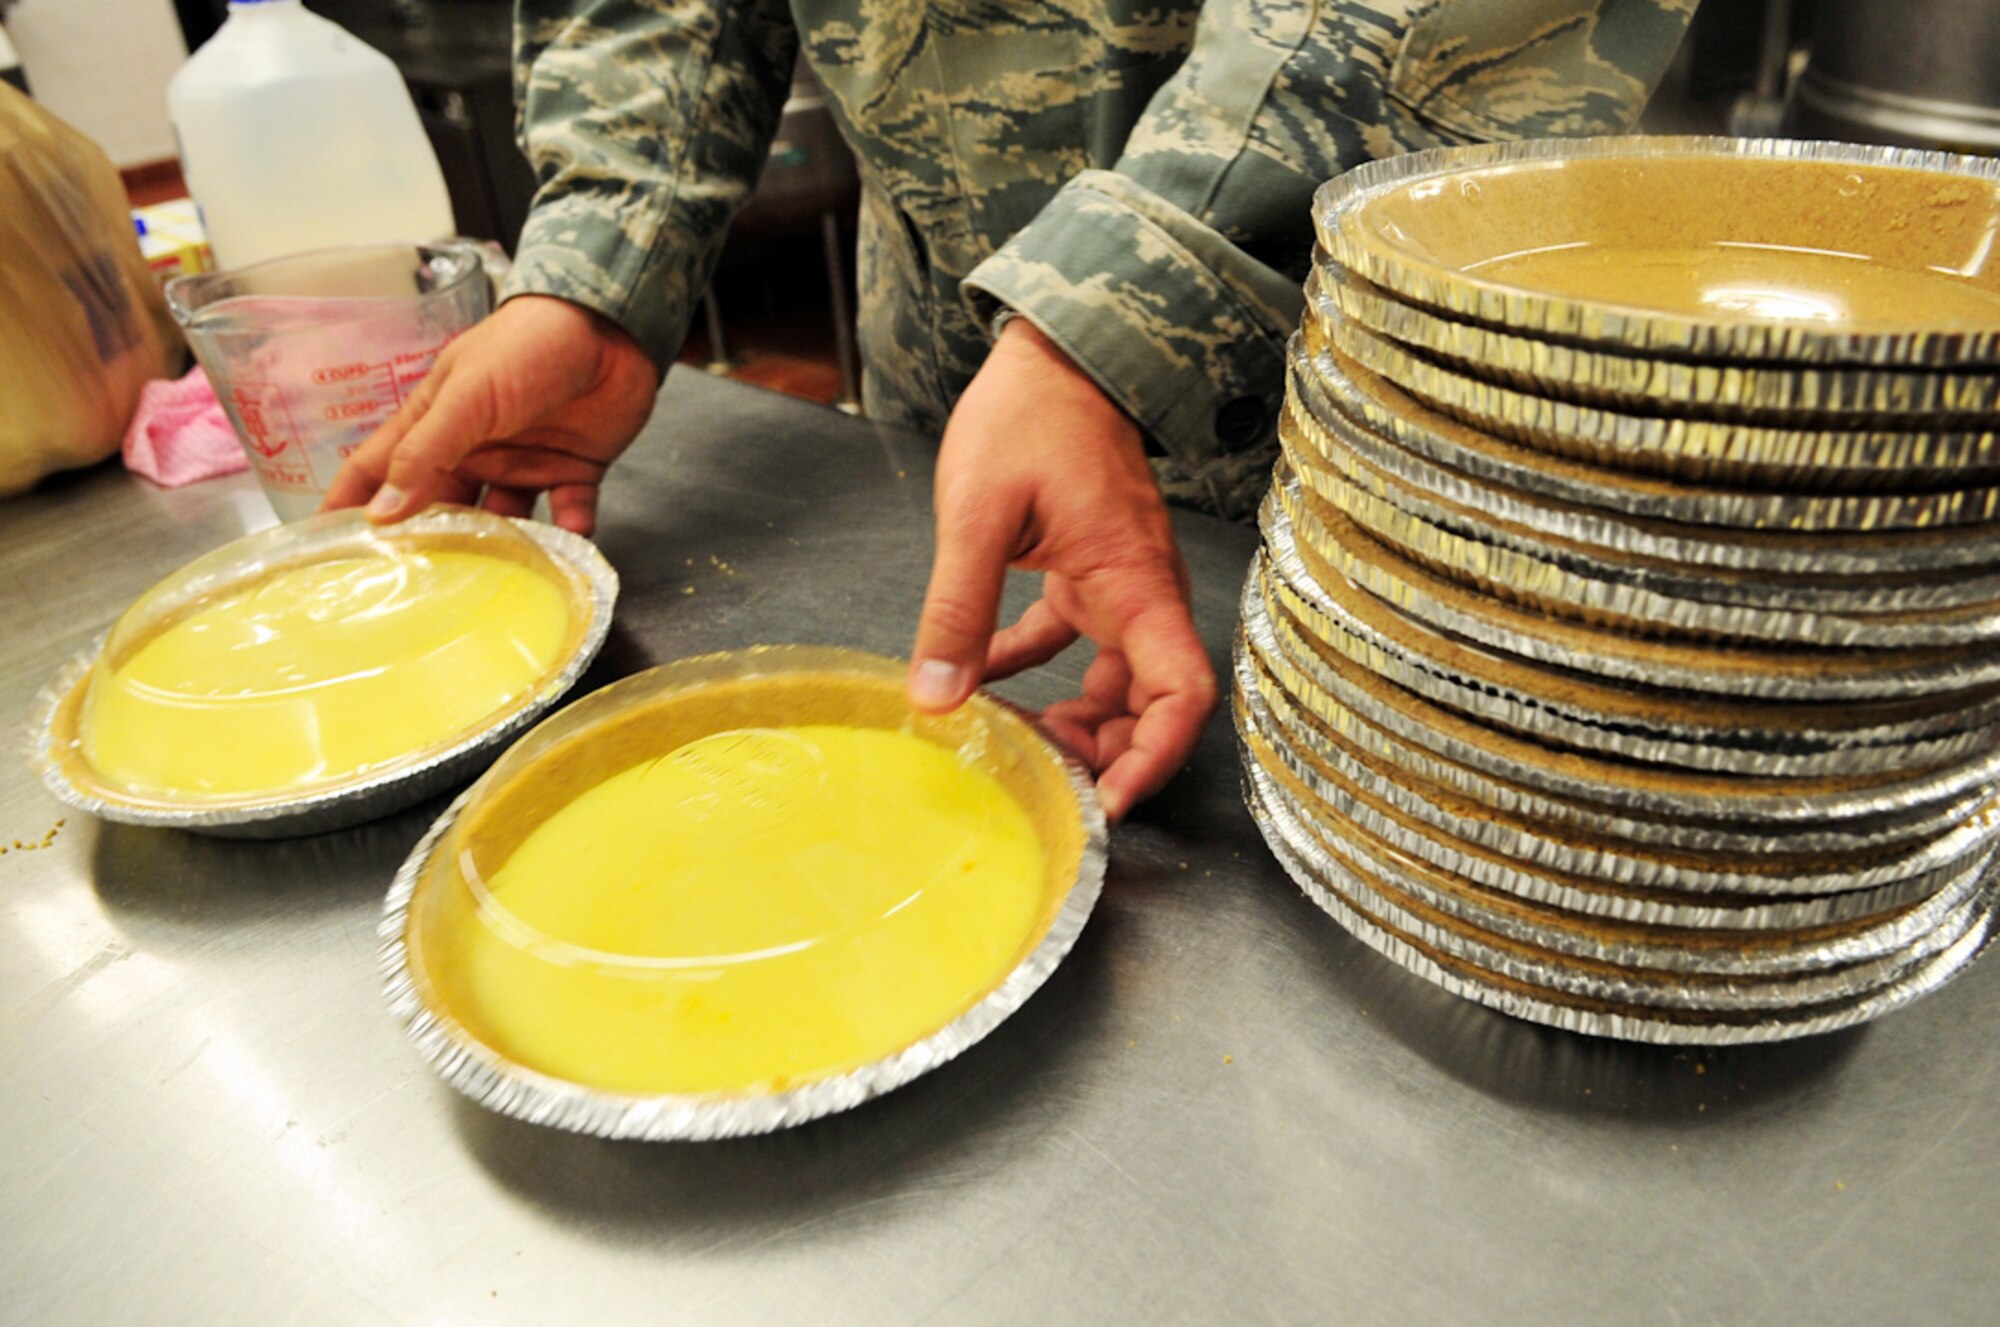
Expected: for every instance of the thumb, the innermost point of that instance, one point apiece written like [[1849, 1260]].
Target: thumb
[[962, 605]]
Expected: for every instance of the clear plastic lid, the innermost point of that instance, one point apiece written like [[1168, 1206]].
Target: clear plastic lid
[[756, 885], [322, 653]]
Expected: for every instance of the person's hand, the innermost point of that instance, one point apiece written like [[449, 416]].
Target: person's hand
[[1039, 469], [541, 396]]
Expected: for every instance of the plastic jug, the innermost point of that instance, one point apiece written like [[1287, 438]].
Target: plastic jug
[[296, 135]]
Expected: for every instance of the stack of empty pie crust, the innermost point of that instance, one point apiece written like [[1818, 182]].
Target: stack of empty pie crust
[[1624, 649]]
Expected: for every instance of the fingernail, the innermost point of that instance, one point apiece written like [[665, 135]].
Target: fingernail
[[388, 500], [1113, 804], [936, 684]]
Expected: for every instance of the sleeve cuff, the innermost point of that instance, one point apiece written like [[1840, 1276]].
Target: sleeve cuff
[[577, 250], [1178, 326]]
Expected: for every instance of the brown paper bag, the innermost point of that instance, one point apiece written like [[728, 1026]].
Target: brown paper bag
[[82, 324]]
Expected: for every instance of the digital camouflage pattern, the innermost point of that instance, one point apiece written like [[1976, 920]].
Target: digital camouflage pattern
[[1133, 176]]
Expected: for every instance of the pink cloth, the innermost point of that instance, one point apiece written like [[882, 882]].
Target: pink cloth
[[179, 434]]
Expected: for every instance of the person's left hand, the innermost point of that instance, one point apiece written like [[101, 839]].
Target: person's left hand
[[1039, 469]]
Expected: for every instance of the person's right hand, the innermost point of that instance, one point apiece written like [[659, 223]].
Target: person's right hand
[[1040, 469], [540, 397]]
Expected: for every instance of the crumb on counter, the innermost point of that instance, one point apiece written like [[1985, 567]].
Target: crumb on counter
[[47, 840]]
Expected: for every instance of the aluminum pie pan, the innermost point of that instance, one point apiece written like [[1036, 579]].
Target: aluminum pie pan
[[1311, 705], [1636, 330], [1548, 705], [1585, 896], [383, 791], [1539, 1004], [1623, 381], [1693, 992], [502, 1085], [1388, 896], [1867, 790], [1884, 947], [1335, 771], [1521, 573], [1712, 952], [1328, 433], [1709, 814], [1318, 725], [1632, 1023], [1334, 387], [1582, 895], [1647, 600], [1729, 670], [1339, 779], [1674, 446], [1699, 556], [1341, 476], [1325, 642]]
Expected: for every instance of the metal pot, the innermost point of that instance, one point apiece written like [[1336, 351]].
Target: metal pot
[[1924, 73]]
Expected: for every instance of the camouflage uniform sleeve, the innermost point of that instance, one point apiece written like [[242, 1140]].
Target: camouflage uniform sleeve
[[646, 122], [1174, 277]]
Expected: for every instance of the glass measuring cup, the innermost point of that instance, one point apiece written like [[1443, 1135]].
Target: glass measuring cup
[[312, 352]]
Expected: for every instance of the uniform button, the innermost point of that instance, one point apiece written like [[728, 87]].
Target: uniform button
[[1241, 422]]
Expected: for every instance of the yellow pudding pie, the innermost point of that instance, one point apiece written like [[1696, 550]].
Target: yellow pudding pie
[[742, 885], [321, 666]]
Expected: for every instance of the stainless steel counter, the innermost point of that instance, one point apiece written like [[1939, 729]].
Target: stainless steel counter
[[1220, 1109]]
